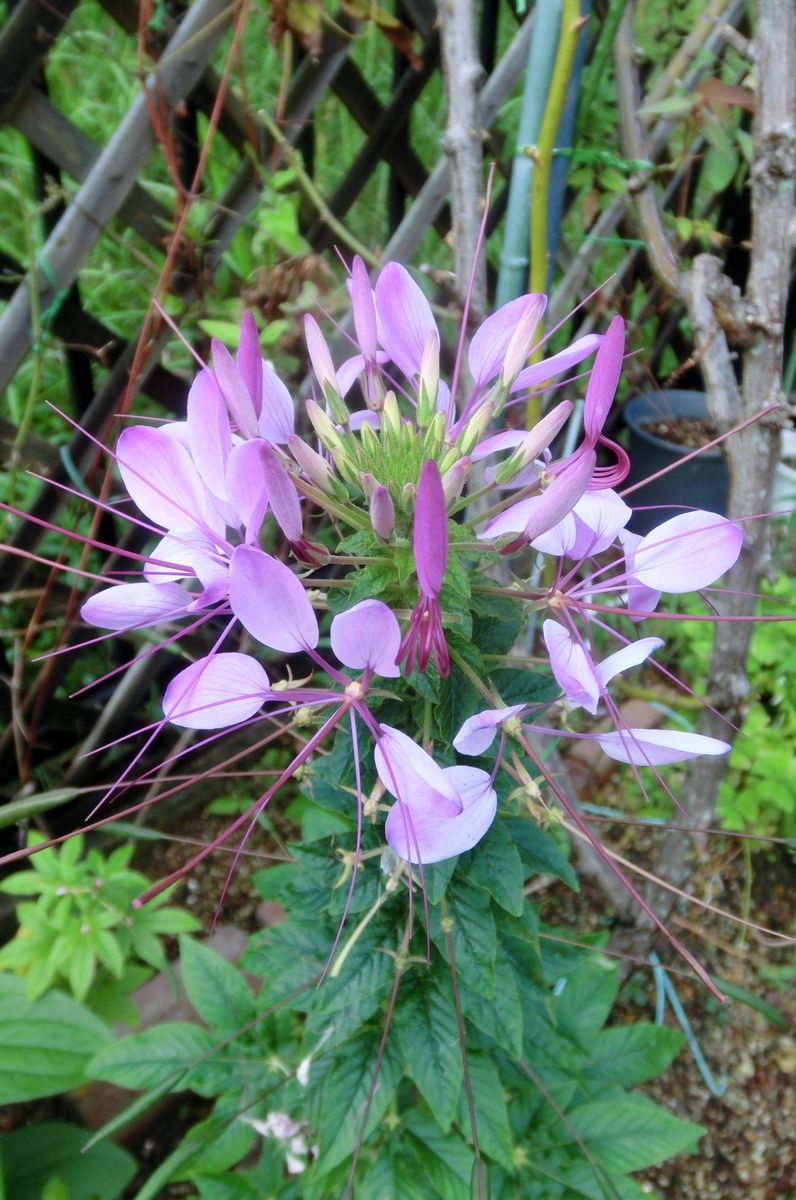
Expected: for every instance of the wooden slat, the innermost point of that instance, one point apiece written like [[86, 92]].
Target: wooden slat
[[25, 41]]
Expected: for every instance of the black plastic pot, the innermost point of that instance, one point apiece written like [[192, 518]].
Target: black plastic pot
[[703, 482]]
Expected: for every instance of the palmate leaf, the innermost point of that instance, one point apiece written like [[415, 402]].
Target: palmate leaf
[[35, 1154], [495, 865], [539, 850], [345, 1092], [144, 1060], [446, 1160], [491, 1113], [217, 991], [500, 1019], [45, 1044], [630, 1054], [473, 933], [630, 1132], [428, 1037], [585, 999]]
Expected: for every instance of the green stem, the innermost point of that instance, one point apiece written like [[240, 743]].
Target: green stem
[[571, 24]]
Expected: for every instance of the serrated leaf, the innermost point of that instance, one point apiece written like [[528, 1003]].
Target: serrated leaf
[[473, 934], [539, 850], [145, 1060], [33, 1155], [345, 1093], [630, 1054], [428, 1036], [495, 865], [446, 1159], [491, 1114], [45, 1044], [288, 958], [632, 1133], [585, 1000], [217, 991], [501, 1019], [363, 982]]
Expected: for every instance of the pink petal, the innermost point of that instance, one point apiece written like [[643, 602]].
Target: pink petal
[[367, 636], [591, 527], [282, 494], [363, 308], [319, 353], [640, 599], [246, 488], [574, 671], [209, 435], [427, 835], [430, 537], [632, 655], [234, 389], [411, 775], [405, 318], [539, 513], [656, 747], [277, 419], [491, 339], [478, 732], [161, 478], [249, 361], [270, 602], [220, 690], [603, 380], [133, 605], [187, 554], [687, 552], [549, 367], [507, 439]]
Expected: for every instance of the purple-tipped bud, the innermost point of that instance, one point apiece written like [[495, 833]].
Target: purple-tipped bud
[[428, 384], [431, 530], [522, 340], [313, 465], [536, 441], [454, 479], [382, 512], [319, 354]]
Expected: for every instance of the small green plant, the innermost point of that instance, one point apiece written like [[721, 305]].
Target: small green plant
[[82, 933]]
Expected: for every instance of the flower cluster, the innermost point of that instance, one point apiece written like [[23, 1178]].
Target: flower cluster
[[361, 503]]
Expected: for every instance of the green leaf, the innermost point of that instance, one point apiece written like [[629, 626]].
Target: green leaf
[[632, 1133], [539, 850], [45, 1044], [491, 1114], [216, 990], [446, 1159], [289, 957], [585, 1001], [34, 1154], [501, 1019], [81, 966], [473, 934], [756, 1002], [344, 1097], [495, 865], [221, 1147], [436, 877], [630, 1054], [144, 1060], [428, 1036], [364, 980], [719, 167]]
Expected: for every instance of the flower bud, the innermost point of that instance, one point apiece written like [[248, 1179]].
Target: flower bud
[[313, 465], [369, 440], [382, 512], [391, 416], [453, 480], [428, 384], [536, 441], [520, 343], [476, 427]]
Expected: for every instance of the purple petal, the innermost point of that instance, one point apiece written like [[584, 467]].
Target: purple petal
[[539, 513], [549, 367], [411, 775], [277, 419], [209, 435], [507, 439], [632, 655], [491, 339], [270, 602], [574, 671], [590, 528], [363, 308], [235, 390], [656, 747], [133, 605], [161, 478], [426, 835], [367, 636], [603, 380], [382, 512], [246, 489], [220, 690], [249, 360], [183, 555], [640, 599], [405, 318], [350, 370], [478, 732], [687, 552], [430, 538], [282, 494], [320, 357]]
